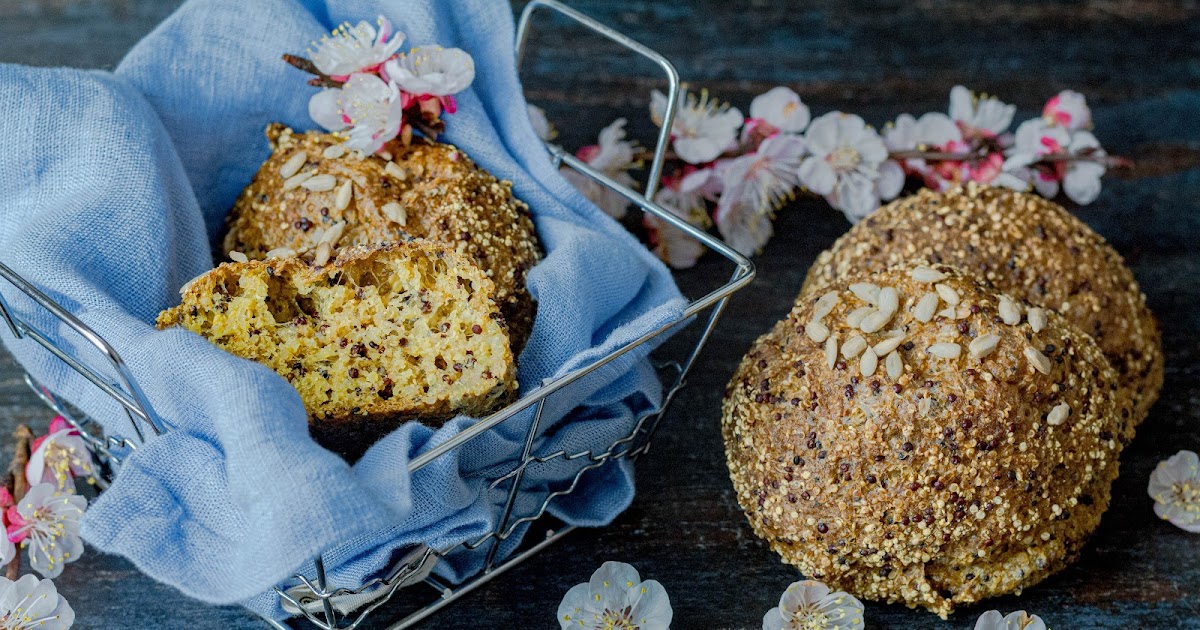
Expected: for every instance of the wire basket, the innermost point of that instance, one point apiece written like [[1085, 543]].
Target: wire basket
[[331, 608]]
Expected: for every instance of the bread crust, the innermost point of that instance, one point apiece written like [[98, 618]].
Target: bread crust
[[379, 336], [954, 481], [445, 198], [1023, 245]]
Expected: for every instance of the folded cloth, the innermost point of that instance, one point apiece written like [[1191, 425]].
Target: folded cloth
[[116, 184]]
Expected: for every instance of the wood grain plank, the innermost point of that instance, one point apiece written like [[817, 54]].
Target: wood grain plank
[[1135, 60]]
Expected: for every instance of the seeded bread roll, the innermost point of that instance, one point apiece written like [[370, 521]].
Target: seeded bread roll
[[311, 184], [1023, 245], [372, 339], [897, 439]]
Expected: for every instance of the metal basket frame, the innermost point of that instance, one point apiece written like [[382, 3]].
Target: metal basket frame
[[318, 604]]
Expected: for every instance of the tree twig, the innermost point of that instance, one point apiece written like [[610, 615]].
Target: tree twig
[[20, 485]]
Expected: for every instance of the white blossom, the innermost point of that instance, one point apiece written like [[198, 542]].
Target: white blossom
[[781, 108], [979, 116], [1081, 182], [1034, 139], [616, 599], [933, 131], [1068, 109], [360, 48], [1079, 177], [685, 198], [1020, 620], [32, 603], [59, 457], [613, 155], [47, 521], [703, 128], [754, 185], [432, 70], [366, 105], [541, 125], [809, 605], [844, 163], [1175, 488]]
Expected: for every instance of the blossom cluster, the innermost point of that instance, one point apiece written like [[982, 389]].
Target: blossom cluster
[[46, 519], [373, 93], [735, 171]]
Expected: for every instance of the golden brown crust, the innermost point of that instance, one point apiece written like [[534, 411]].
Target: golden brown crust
[[444, 197], [380, 335], [1023, 245], [953, 481]]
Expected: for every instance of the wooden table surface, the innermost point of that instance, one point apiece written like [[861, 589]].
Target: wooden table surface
[[1139, 65]]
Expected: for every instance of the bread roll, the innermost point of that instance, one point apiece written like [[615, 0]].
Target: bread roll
[[896, 438], [427, 190], [376, 337], [1023, 245]]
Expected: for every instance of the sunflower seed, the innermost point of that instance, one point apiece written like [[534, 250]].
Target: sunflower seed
[[926, 274], [816, 331], [324, 250], [854, 346], [855, 317], [831, 348], [292, 165], [894, 366], [824, 305], [334, 151], [238, 257], [869, 362], [1037, 319], [889, 300], [1009, 311], [342, 200], [1037, 360], [1058, 414], [983, 345], [395, 212], [296, 180], [866, 292], [387, 155], [281, 252], [395, 171], [925, 308], [947, 312], [887, 345], [945, 350], [320, 183], [948, 295], [875, 321], [333, 234]]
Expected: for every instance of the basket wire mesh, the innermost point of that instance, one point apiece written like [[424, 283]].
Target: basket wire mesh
[[330, 608]]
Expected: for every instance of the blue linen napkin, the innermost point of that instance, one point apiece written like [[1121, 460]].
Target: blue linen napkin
[[115, 184]]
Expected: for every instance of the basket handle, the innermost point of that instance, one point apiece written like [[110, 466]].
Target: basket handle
[[673, 85], [125, 391]]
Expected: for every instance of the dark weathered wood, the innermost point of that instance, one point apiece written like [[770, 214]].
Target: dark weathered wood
[[1136, 61]]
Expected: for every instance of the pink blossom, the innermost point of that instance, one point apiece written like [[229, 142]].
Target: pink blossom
[[47, 521], [59, 456], [367, 106], [754, 186], [360, 48], [614, 156], [1068, 109]]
